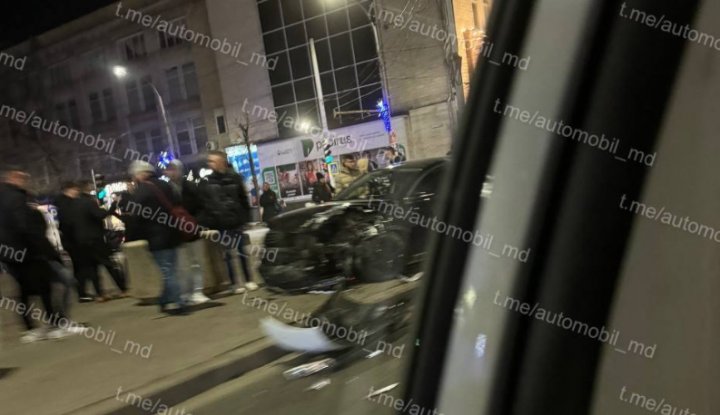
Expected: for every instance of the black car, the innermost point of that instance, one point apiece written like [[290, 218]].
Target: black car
[[373, 231]]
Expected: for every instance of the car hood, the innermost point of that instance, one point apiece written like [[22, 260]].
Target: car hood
[[291, 221]]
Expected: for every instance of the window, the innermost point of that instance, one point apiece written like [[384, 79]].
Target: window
[[59, 75], [109, 104], [191, 136], [74, 116], [95, 61], [172, 76], [182, 82], [102, 108], [157, 141], [96, 108], [200, 132], [133, 96], [185, 146], [220, 122], [346, 53], [134, 47], [190, 77], [67, 113], [148, 93], [169, 41], [141, 143]]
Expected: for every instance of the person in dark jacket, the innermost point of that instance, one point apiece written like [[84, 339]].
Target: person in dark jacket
[[191, 276], [151, 204], [65, 204], [269, 203], [226, 209], [25, 250], [322, 191], [92, 250]]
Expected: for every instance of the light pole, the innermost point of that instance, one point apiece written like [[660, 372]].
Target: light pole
[[121, 72]]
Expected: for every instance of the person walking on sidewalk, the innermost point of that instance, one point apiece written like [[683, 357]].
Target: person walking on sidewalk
[[225, 208], [154, 195], [191, 277], [269, 202], [26, 251], [92, 249]]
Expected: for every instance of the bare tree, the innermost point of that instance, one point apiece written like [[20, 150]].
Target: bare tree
[[244, 126]]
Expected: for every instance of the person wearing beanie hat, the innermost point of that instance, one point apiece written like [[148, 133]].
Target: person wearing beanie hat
[[141, 170]]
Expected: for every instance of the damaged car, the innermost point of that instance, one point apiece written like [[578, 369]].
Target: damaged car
[[371, 232]]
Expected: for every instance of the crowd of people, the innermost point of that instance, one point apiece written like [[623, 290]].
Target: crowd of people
[[218, 202]]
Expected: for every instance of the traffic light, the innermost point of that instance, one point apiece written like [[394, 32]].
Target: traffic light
[[100, 184], [99, 181], [328, 153]]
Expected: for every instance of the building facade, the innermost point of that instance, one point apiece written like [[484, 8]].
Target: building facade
[[224, 70]]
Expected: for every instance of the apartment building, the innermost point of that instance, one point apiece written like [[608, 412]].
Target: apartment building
[[110, 73]]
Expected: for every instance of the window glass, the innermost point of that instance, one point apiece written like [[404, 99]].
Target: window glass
[[148, 93], [190, 78], [134, 47], [172, 76], [95, 108], [109, 104], [133, 96]]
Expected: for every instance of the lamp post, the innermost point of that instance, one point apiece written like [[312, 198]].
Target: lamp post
[[121, 72]]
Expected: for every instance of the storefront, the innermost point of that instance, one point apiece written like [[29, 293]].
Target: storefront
[[290, 165]]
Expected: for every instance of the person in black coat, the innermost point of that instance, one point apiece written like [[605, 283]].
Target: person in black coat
[[322, 191], [226, 208], [269, 203], [150, 207], [25, 250], [88, 224]]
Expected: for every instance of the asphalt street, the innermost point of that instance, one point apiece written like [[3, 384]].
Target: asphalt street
[[344, 391]]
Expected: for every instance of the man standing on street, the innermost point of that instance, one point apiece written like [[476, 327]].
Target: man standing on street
[[226, 209], [155, 195], [191, 277], [348, 173], [26, 251], [92, 249]]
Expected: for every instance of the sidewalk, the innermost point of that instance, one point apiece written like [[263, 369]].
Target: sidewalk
[[150, 354]]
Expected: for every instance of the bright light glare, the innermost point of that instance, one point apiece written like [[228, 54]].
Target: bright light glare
[[119, 71]]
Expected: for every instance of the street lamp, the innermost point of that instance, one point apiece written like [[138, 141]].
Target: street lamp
[[121, 72]]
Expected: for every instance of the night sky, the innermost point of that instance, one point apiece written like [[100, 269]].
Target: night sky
[[20, 20]]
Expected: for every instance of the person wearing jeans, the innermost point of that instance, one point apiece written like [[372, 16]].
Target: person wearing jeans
[[226, 209], [230, 253], [159, 229], [191, 275], [166, 260]]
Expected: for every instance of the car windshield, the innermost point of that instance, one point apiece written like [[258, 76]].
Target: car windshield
[[380, 184]]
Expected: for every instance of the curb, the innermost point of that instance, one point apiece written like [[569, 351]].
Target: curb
[[190, 382]]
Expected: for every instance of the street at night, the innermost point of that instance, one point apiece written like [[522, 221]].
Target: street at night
[[421, 207]]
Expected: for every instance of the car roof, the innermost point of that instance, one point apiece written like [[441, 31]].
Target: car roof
[[420, 164]]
